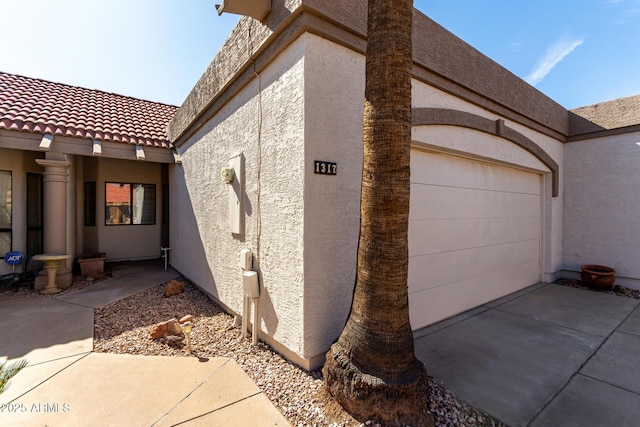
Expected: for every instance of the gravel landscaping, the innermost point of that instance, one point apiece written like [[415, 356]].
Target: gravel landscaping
[[124, 327], [620, 291]]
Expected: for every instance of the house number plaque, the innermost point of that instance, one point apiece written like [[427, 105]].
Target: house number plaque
[[325, 168]]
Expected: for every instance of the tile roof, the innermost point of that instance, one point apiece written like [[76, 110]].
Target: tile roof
[[40, 106]]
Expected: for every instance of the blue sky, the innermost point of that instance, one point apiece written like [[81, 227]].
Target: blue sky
[[578, 52]]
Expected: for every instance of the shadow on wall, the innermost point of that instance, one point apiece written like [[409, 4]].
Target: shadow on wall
[[274, 19], [265, 305], [191, 243]]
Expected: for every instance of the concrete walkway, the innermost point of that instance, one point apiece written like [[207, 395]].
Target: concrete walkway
[[549, 355], [67, 384]]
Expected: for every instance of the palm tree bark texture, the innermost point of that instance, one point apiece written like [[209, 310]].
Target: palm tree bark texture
[[371, 370]]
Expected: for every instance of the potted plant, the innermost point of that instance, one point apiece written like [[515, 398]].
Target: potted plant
[[92, 265], [597, 276]]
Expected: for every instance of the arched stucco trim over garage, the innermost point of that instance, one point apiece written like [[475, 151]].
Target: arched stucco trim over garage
[[444, 116]]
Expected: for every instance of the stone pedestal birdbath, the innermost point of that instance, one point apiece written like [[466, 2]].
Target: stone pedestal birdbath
[[51, 263]]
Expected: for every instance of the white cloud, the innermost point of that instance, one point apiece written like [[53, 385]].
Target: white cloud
[[553, 55]]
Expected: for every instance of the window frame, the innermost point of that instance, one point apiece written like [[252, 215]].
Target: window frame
[[9, 230], [132, 186]]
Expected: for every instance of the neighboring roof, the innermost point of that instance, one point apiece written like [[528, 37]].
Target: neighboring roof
[[616, 114], [43, 107]]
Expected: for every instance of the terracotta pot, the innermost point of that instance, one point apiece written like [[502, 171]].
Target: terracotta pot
[[597, 276], [92, 265]]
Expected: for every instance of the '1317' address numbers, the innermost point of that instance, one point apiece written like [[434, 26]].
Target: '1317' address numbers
[[325, 168]]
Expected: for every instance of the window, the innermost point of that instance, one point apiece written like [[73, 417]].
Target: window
[[130, 204], [5, 212]]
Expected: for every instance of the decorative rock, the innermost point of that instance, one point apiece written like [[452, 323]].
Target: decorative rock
[[187, 318], [174, 288], [169, 327], [173, 327], [159, 330]]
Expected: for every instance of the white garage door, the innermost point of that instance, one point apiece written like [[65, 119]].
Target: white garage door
[[474, 234]]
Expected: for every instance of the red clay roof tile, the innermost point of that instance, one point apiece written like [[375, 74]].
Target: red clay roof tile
[[39, 106]]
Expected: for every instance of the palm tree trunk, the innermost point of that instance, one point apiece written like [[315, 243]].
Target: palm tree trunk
[[372, 370]]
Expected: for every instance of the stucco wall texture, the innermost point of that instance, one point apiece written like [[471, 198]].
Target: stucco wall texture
[[290, 92], [239, 48], [334, 105], [334, 88], [303, 227], [602, 181], [124, 242], [18, 163], [264, 122]]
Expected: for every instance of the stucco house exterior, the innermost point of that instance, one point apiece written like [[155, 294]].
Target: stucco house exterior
[[66, 155], [602, 180], [508, 187], [505, 192]]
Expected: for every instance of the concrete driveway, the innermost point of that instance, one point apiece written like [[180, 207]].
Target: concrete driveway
[[66, 384], [549, 355]]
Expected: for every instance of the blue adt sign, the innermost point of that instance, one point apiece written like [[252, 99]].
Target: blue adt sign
[[13, 258]]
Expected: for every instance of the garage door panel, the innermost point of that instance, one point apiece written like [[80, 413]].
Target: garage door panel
[[458, 172], [433, 236], [434, 202], [445, 268], [474, 234], [432, 305]]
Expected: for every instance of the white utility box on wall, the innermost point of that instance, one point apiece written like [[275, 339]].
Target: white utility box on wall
[[250, 284], [251, 294], [246, 259], [234, 178]]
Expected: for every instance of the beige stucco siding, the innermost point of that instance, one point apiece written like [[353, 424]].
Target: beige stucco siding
[[18, 163], [334, 102], [602, 183], [264, 122], [307, 105], [333, 129], [123, 242], [334, 88], [119, 242]]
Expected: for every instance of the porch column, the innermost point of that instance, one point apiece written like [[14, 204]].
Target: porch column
[[55, 181]]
